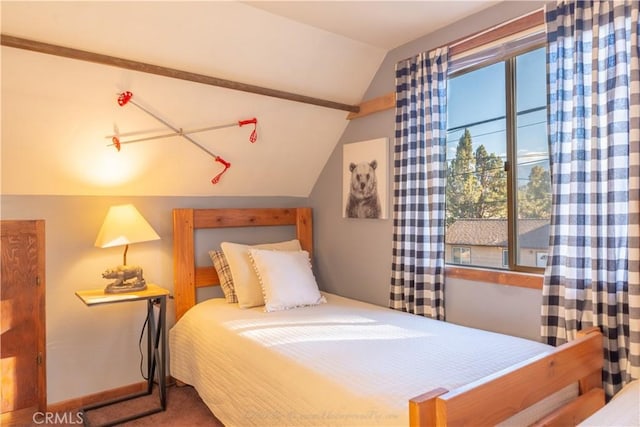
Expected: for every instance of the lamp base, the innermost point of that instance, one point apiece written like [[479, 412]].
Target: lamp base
[[116, 288]]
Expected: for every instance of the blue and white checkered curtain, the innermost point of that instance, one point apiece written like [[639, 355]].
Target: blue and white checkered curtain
[[417, 276], [592, 278]]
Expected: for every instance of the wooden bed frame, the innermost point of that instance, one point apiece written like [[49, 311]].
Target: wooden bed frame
[[484, 402]]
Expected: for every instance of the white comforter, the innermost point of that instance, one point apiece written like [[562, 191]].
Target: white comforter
[[342, 363], [622, 411]]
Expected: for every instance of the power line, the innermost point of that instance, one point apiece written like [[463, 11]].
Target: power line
[[497, 131], [481, 122]]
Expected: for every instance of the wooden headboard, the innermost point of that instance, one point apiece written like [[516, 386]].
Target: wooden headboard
[[187, 277]]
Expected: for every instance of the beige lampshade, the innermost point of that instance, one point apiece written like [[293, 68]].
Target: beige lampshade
[[124, 225]]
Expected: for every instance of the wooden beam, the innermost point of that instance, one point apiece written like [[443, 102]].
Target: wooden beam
[[381, 103], [66, 52]]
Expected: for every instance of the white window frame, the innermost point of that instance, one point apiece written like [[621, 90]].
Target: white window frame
[[460, 248]]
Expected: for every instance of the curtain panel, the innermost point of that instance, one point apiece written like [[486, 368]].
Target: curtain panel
[[417, 276], [592, 276]]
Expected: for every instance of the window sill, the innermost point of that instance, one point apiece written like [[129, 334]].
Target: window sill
[[506, 278]]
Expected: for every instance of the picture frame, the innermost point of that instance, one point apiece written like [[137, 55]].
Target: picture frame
[[365, 181]]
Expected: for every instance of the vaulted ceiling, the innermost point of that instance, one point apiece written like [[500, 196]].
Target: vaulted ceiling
[[57, 113]]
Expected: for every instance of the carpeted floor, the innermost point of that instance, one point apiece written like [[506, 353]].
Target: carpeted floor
[[184, 408]]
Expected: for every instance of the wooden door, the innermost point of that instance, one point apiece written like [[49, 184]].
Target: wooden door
[[22, 313]]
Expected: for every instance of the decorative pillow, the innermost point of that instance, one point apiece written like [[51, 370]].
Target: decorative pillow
[[245, 282], [224, 273], [286, 278]]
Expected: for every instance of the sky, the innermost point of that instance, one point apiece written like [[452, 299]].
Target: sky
[[481, 95]]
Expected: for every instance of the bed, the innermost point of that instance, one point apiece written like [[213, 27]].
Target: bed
[[345, 363], [623, 410]]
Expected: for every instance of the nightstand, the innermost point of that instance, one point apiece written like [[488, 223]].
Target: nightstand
[[156, 342]]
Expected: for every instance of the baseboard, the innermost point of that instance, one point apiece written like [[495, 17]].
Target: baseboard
[[21, 417], [80, 402], [26, 416]]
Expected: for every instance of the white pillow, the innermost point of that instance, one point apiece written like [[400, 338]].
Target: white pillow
[[286, 278], [245, 281]]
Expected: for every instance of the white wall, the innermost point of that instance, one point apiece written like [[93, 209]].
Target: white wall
[[57, 111], [506, 309]]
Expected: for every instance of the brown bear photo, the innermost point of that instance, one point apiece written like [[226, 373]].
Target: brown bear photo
[[365, 179], [364, 201]]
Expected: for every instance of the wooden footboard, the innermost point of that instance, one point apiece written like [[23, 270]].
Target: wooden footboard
[[494, 399]]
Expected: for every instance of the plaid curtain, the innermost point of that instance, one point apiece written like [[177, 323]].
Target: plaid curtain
[[417, 276], [592, 277]]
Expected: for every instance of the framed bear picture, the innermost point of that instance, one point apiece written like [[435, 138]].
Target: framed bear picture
[[365, 179]]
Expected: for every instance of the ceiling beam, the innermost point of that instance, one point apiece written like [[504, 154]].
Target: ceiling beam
[[66, 52], [381, 103]]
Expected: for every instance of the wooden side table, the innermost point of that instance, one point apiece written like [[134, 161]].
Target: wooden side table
[[156, 343]]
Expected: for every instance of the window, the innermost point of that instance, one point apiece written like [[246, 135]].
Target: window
[[498, 182], [461, 255], [541, 259]]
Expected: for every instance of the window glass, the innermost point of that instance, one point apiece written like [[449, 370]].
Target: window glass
[[461, 255], [480, 142], [541, 259], [476, 195], [533, 204]]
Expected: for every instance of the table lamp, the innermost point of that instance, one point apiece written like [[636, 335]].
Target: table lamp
[[124, 225]]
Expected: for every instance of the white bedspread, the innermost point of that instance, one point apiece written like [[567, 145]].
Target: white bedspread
[[343, 363], [622, 411]]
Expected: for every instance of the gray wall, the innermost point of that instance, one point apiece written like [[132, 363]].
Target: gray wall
[[91, 349], [354, 256]]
